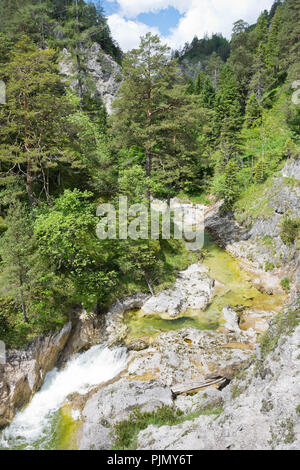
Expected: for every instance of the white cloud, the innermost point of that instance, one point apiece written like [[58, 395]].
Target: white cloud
[[199, 17], [132, 8], [127, 32]]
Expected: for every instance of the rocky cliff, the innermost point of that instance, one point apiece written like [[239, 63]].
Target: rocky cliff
[[24, 372], [104, 72], [260, 407], [254, 233]]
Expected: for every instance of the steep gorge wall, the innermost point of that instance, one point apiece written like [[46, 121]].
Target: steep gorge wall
[[253, 235], [104, 72]]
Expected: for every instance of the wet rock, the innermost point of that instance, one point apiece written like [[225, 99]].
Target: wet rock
[[231, 319], [24, 372], [193, 290], [260, 410], [88, 329], [115, 329], [189, 355]]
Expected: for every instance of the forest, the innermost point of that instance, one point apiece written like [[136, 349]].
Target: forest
[[217, 133]]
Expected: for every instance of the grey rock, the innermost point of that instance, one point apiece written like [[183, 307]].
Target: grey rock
[[193, 290], [25, 370], [115, 403], [104, 71], [247, 241], [260, 409]]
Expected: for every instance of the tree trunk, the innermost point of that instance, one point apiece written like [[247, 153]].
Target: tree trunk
[[29, 164], [24, 310], [148, 152], [148, 174], [148, 284], [29, 182], [21, 283]]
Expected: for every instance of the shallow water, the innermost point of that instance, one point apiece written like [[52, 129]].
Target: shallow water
[[42, 421], [48, 423], [235, 289]]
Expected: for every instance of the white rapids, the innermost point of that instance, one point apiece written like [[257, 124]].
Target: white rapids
[[82, 372]]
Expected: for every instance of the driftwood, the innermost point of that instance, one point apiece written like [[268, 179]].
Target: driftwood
[[180, 389]]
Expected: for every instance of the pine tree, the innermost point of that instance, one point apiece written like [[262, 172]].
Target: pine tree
[[261, 78], [273, 51], [290, 34], [16, 251], [228, 113], [199, 82], [253, 112], [33, 19], [241, 57], [208, 94], [34, 139], [231, 189], [150, 102], [260, 171], [214, 67]]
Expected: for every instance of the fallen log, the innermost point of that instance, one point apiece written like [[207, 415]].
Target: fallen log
[[180, 389]]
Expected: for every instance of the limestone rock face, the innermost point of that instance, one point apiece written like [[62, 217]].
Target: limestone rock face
[[88, 329], [193, 290], [24, 372], [261, 408], [104, 71], [257, 241], [231, 319], [114, 403], [189, 355], [115, 329]]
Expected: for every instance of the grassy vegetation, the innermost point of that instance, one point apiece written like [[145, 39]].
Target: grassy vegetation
[[290, 230], [125, 432], [253, 203], [282, 324], [269, 266], [195, 198], [286, 283]]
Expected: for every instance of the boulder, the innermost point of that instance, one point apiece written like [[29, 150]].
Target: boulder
[[193, 289]]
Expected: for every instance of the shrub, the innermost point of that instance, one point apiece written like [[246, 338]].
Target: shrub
[[286, 283], [269, 266], [290, 230]]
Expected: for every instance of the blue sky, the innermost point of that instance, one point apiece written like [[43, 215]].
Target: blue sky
[[177, 21]]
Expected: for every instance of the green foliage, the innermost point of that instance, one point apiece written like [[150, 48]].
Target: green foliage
[[290, 230], [34, 138], [231, 189], [282, 324], [269, 266], [286, 283], [125, 432], [253, 112], [16, 251], [52, 23], [66, 233], [202, 49]]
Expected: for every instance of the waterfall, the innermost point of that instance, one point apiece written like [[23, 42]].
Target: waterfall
[[82, 372]]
